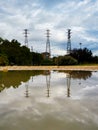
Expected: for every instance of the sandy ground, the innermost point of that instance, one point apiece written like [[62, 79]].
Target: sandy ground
[[85, 68]]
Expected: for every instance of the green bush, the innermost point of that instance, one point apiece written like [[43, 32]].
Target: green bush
[[67, 60], [47, 62]]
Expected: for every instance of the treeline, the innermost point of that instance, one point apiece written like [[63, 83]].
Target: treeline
[[77, 57], [84, 56], [12, 53]]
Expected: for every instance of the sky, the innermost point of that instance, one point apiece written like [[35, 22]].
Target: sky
[[81, 16]]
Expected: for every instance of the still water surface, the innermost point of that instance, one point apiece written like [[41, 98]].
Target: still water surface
[[49, 100]]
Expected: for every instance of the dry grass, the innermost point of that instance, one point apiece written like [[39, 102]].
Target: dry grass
[[86, 68]]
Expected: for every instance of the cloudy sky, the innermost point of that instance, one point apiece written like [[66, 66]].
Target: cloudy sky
[[81, 16]]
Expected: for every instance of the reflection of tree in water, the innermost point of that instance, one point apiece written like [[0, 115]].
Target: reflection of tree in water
[[79, 74], [2, 87], [14, 78]]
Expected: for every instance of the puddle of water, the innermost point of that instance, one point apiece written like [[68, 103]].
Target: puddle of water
[[49, 100]]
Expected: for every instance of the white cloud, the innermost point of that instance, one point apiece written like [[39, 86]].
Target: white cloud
[[56, 51], [80, 16]]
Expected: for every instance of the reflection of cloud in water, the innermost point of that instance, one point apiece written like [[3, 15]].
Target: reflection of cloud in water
[[78, 109], [89, 92], [61, 109]]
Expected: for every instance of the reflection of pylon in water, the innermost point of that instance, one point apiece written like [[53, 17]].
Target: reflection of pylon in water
[[48, 84], [80, 82], [27, 90], [68, 84], [32, 78]]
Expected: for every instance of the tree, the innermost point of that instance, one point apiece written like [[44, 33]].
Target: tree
[[25, 56], [37, 58], [66, 60], [82, 55], [1, 40], [3, 60], [17, 55], [47, 62]]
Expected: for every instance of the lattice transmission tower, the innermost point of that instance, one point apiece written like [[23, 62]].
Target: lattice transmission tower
[[48, 51], [31, 48], [26, 37], [69, 42]]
